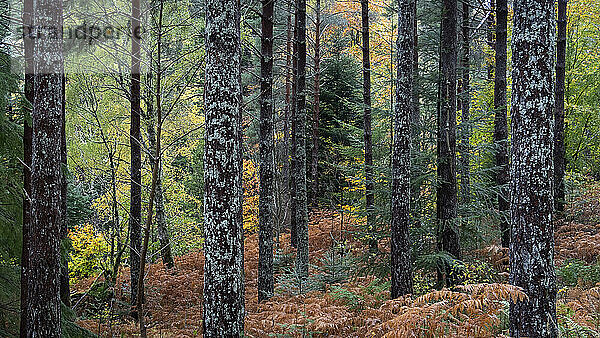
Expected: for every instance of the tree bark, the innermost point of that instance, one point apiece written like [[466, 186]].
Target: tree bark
[[135, 207], [532, 244], [43, 313], [447, 229], [465, 106], [368, 134], [416, 126], [300, 175], [316, 108], [267, 170], [490, 36], [500, 122], [294, 147], [223, 268], [287, 119], [401, 265], [27, 143], [559, 112]]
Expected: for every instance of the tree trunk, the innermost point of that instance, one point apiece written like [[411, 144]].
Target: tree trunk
[[465, 106], [27, 140], [368, 134], [43, 314], [559, 112], [416, 127], [401, 266], [300, 175], [490, 36], [447, 230], [161, 220], [267, 170], [135, 207], [155, 178], [316, 108], [532, 244], [287, 119], [223, 267], [65, 292], [294, 147], [500, 122]]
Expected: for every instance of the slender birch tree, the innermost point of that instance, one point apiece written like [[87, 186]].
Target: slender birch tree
[[135, 206]]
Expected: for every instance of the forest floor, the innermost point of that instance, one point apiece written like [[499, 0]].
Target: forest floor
[[353, 306]]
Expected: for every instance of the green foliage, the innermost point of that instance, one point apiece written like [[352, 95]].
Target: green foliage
[[88, 253], [358, 300], [335, 267], [579, 273]]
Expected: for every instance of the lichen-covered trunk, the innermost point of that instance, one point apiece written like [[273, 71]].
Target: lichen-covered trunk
[[368, 133], [559, 110], [223, 268], [135, 204], [401, 266], [447, 229], [532, 238], [416, 126], [267, 170], [27, 140], [294, 139], [43, 315], [301, 214], [316, 108], [287, 120], [465, 106], [500, 121], [65, 291]]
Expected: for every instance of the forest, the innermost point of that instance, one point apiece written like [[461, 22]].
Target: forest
[[300, 168]]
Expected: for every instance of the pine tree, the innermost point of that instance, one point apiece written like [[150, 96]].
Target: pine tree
[[368, 133], [43, 314], [464, 103], [316, 107], [223, 268], [532, 238], [267, 170], [559, 112], [447, 232], [500, 121], [294, 132], [401, 266], [301, 214]]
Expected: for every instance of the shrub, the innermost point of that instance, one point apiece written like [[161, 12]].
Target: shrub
[[89, 249]]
